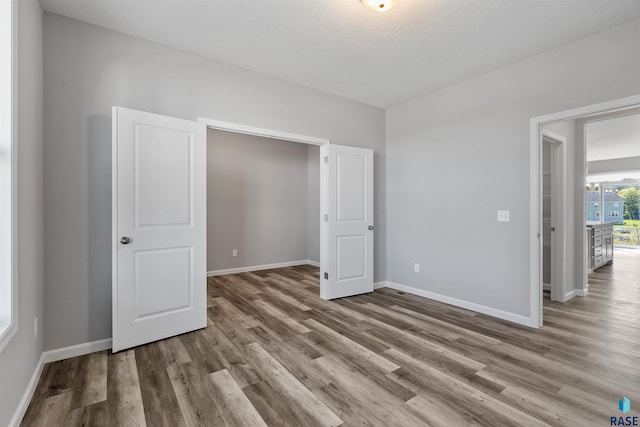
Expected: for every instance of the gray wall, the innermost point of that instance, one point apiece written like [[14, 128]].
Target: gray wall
[[467, 147], [20, 356], [89, 69], [313, 207], [256, 200]]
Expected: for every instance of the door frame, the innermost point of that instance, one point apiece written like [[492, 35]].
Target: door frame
[[268, 133], [558, 213], [535, 193]]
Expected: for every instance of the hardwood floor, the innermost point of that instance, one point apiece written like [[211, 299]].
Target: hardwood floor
[[275, 354]]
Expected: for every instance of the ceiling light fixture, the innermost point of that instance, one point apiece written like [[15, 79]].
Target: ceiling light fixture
[[379, 5]]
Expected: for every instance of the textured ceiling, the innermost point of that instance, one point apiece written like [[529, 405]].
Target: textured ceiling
[[614, 138], [339, 46]]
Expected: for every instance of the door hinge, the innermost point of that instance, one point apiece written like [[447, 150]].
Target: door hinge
[[326, 159], [326, 276], [326, 218]]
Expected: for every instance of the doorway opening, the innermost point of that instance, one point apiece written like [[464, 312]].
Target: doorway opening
[[263, 198], [344, 212], [263, 203], [575, 226]]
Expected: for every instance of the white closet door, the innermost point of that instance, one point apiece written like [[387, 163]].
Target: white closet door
[[346, 256], [159, 227]]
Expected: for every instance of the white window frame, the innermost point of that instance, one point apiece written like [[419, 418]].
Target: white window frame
[[8, 204]]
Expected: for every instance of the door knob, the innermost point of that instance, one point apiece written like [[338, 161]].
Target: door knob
[[370, 227], [125, 240]]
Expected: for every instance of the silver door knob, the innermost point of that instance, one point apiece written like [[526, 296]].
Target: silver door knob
[[370, 227], [125, 240]]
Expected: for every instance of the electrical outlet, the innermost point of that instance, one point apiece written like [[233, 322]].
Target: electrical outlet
[[235, 252], [416, 268], [504, 216], [35, 327]]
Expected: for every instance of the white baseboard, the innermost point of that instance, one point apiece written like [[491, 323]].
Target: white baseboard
[[575, 293], [500, 314], [379, 285], [569, 295], [582, 292], [76, 350], [18, 415], [261, 267], [53, 356]]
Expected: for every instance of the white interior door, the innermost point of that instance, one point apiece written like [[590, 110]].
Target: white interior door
[[554, 237], [558, 239], [547, 217], [346, 240], [159, 227]]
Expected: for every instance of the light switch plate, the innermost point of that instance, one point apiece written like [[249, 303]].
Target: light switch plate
[[504, 216]]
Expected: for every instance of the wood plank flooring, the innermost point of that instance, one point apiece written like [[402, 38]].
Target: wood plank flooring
[[275, 354]]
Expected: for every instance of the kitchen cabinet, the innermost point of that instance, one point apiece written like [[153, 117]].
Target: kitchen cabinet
[[600, 241]]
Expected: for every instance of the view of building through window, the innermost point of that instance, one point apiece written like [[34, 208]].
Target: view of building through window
[[617, 204]]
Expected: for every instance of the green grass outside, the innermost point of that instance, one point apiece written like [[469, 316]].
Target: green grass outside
[[627, 234]]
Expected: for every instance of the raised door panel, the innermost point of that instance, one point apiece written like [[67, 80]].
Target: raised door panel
[[163, 170]]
